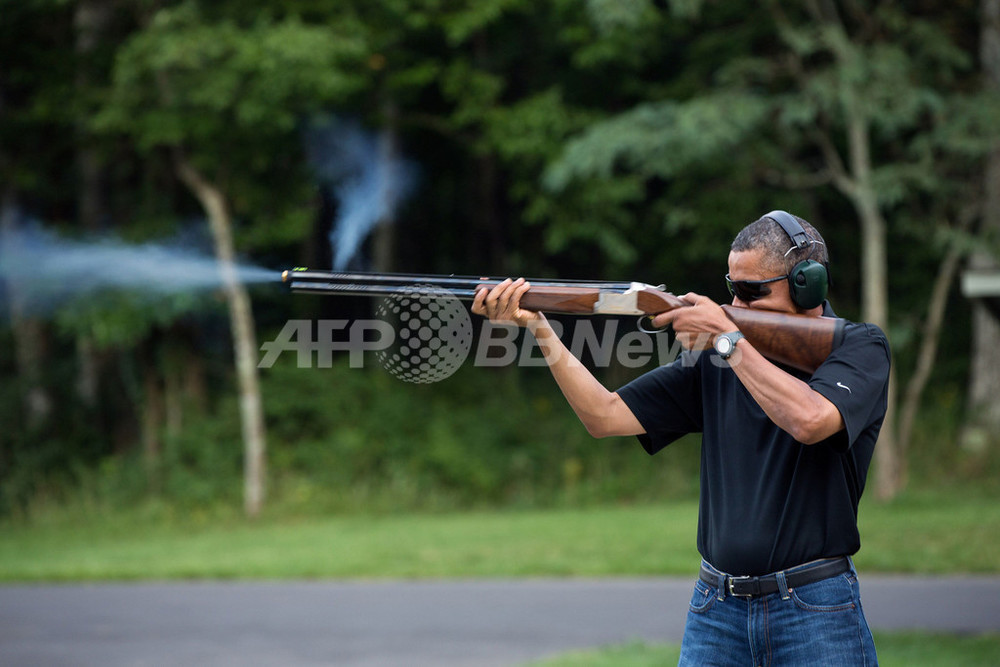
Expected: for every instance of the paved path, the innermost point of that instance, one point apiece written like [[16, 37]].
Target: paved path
[[440, 623]]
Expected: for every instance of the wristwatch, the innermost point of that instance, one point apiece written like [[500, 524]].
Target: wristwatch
[[725, 344]]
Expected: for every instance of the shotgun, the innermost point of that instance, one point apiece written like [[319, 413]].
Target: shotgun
[[798, 341]]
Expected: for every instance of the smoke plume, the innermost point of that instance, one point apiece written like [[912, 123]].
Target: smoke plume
[[45, 270], [365, 177]]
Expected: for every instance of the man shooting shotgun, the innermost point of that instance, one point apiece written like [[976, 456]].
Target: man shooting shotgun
[[784, 453], [789, 400]]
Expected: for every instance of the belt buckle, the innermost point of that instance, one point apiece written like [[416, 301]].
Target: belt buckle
[[733, 592]]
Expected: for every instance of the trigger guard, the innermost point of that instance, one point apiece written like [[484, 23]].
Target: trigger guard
[[641, 322]]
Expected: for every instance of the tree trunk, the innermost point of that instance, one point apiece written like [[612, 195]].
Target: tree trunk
[[152, 424], [173, 389], [983, 421], [90, 19], [931, 333], [244, 337], [384, 237], [889, 461]]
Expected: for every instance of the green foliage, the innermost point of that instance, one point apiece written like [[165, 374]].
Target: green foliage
[[529, 134], [627, 16], [604, 139], [224, 90], [345, 439], [477, 438], [349, 440], [663, 139], [123, 319], [619, 33], [473, 16]]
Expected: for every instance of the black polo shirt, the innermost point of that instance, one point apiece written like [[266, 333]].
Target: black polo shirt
[[768, 502]]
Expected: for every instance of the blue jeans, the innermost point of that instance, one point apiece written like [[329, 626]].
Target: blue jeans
[[817, 624]]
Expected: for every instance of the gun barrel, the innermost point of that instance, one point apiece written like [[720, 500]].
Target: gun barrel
[[306, 280], [358, 289]]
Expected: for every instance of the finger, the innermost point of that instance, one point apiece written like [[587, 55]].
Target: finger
[[497, 290], [505, 300], [490, 302], [665, 319], [515, 292], [692, 297], [694, 341], [520, 292], [479, 302]]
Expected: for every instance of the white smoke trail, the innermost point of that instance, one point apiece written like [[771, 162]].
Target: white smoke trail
[[46, 270], [367, 181]]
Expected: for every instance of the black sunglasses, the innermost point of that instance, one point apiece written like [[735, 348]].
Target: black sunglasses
[[750, 290]]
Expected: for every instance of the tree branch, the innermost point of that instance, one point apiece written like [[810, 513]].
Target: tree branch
[[839, 175], [936, 308]]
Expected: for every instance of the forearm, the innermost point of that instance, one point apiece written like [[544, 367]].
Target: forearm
[[788, 401], [791, 404], [601, 411]]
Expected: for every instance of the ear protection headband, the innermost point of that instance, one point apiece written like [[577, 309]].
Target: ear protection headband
[[809, 280]]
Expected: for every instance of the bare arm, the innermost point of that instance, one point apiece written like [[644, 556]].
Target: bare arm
[[806, 415], [602, 412]]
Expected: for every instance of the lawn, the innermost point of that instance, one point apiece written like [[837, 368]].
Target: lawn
[[917, 534], [894, 650]]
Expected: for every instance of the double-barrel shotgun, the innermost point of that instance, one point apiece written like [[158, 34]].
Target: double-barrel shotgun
[[798, 341]]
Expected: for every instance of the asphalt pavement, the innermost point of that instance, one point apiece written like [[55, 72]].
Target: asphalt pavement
[[411, 623]]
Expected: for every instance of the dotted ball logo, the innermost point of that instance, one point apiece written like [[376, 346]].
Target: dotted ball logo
[[433, 334]]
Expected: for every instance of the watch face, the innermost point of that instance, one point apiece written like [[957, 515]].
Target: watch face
[[723, 345]]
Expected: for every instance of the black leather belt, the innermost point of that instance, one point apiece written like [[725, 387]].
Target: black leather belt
[[746, 587]]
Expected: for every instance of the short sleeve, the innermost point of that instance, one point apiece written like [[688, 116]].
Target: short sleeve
[[855, 378], [666, 401]]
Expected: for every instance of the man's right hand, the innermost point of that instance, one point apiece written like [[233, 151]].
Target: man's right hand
[[502, 304]]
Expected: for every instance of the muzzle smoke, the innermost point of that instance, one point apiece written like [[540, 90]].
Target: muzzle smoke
[[42, 270]]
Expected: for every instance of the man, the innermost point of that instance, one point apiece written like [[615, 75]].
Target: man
[[784, 454]]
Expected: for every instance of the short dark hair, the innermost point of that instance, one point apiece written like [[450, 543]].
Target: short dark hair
[[779, 253]]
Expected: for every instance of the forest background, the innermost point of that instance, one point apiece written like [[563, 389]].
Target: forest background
[[600, 139]]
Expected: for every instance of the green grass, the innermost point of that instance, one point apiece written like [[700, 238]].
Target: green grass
[[932, 533], [937, 650], [918, 534], [633, 654], [600, 541], [894, 650]]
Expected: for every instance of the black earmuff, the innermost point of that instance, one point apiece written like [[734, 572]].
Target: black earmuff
[[809, 280]]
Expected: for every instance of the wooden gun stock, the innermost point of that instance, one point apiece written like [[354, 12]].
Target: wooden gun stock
[[798, 341]]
